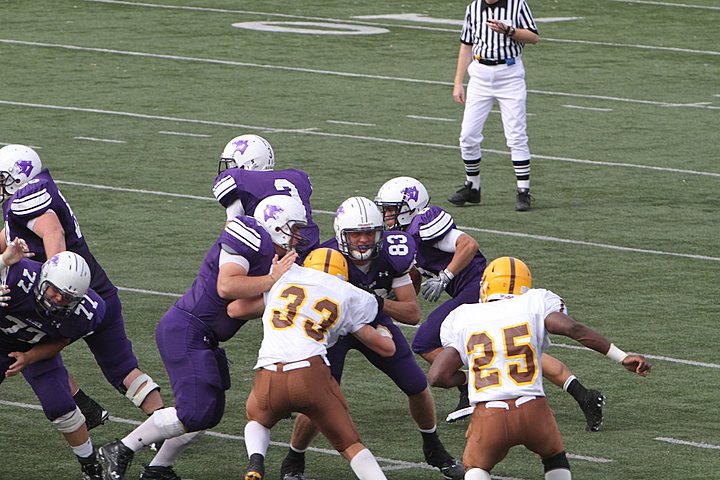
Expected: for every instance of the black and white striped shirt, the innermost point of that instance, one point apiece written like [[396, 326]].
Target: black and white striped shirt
[[491, 45]]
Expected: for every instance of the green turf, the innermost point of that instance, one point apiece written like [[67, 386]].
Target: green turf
[[624, 224]]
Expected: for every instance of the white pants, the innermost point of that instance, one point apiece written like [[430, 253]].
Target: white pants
[[506, 84]]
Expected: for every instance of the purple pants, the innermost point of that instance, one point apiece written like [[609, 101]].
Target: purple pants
[[197, 368], [427, 338], [49, 380], [402, 368], [111, 346]]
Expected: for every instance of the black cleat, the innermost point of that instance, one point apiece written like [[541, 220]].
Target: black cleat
[[592, 408], [293, 466], [464, 195], [91, 468], [115, 458], [439, 458], [524, 200], [463, 409], [293, 476], [95, 414], [158, 473], [256, 467]]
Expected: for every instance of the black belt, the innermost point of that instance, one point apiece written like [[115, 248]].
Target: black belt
[[485, 61]]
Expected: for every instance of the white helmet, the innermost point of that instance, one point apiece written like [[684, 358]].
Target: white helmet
[[248, 152], [407, 195], [282, 216], [69, 274], [18, 165], [358, 214]]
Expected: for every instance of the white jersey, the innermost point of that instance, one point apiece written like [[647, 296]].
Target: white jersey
[[501, 343], [306, 311]]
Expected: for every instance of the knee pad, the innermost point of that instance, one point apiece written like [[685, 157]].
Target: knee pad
[[166, 420], [70, 422], [137, 394], [556, 461]]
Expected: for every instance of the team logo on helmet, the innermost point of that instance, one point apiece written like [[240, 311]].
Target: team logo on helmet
[[411, 193], [241, 145], [340, 211], [24, 166], [272, 211]]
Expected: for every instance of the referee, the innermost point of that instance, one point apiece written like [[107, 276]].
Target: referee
[[491, 45]]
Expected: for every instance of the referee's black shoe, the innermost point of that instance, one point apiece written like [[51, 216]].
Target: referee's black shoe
[[466, 194], [523, 200]]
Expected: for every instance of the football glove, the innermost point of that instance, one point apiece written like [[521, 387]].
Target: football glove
[[432, 288]]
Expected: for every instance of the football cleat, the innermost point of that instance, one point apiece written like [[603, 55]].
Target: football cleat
[[466, 194], [95, 414], [439, 458], [293, 466], [115, 459], [256, 467], [293, 476], [524, 200], [91, 468], [158, 473], [592, 408], [463, 409]]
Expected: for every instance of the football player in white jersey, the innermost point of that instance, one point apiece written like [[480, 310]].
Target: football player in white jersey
[[304, 313], [500, 341]]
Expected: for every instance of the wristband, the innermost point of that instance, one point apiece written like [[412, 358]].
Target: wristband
[[614, 353], [449, 274]]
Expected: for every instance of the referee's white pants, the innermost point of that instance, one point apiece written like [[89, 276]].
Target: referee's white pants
[[503, 83]]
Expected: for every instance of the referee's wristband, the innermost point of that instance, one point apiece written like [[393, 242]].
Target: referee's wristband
[[614, 353]]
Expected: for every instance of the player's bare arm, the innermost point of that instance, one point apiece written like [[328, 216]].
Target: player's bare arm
[[48, 227], [234, 282], [405, 308], [445, 370], [379, 340], [561, 324], [465, 249], [39, 352], [246, 308]]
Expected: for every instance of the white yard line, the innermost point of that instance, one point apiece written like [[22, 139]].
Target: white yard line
[[344, 122], [312, 131], [439, 119], [675, 441], [668, 4], [104, 140], [185, 134], [578, 107]]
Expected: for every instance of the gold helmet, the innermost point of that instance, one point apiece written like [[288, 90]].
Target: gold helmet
[[504, 276], [328, 260]]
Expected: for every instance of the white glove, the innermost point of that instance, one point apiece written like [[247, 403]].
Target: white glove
[[432, 288]]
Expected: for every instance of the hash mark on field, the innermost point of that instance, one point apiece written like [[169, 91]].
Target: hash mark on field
[[667, 4], [359, 124], [104, 140], [589, 108], [185, 134], [689, 444], [439, 119]]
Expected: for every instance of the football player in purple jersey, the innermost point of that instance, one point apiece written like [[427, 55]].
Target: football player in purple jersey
[[246, 175], [454, 264], [243, 263], [36, 211], [44, 307], [380, 262]]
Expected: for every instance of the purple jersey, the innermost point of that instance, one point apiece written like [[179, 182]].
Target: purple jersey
[[241, 236], [22, 326], [35, 198], [395, 260], [429, 227], [252, 186]]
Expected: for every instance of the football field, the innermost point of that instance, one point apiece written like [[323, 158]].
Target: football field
[[130, 103]]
